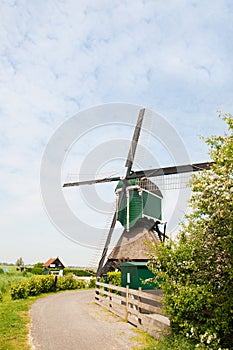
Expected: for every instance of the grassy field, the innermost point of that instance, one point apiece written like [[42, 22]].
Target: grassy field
[[14, 324], [11, 269], [13, 276], [14, 318]]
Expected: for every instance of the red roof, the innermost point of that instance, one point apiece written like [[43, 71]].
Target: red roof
[[50, 261]]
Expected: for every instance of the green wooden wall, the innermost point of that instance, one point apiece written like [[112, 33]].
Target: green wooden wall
[[144, 204]]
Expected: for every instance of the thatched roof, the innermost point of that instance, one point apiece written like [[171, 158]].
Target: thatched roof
[[132, 245]]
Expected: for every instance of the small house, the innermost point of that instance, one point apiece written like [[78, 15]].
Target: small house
[[53, 265]]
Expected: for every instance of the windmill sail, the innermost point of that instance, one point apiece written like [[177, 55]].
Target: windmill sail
[[129, 164], [134, 142], [139, 205]]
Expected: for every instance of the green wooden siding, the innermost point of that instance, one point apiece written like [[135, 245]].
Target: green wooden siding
[[134, 275], [146, 204], [135, 209], [152, 205]]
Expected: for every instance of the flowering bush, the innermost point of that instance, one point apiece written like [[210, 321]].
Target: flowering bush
[[69, 282], [19, 290], [36, 285], [197, 269], [114, 278]]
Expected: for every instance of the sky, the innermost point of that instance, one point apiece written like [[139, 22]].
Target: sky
[[61, 58]]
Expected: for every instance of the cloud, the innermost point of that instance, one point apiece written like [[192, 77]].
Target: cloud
[[57, 57]]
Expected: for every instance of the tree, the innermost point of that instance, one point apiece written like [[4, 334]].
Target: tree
[[197, 269], [19, 262], [38, 265]]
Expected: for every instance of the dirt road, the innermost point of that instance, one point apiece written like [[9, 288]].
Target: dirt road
[[72, 321]]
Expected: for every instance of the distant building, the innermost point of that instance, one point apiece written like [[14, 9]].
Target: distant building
[[53, 265]]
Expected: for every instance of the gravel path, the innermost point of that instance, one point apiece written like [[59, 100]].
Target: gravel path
[[72, 321]]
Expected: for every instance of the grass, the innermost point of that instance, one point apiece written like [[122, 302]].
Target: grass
[[14, 323], [145, 340], [168, 342], [10, 268], [14, 318], [13, 276]]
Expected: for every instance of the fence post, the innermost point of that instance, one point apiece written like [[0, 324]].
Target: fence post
[[127, 303], [139, 305], [110, 298], [97, 291]]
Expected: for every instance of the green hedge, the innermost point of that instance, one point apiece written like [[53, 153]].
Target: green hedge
[[44, 284], [80, 273], [69, 282], [35, 270], [76, 272]]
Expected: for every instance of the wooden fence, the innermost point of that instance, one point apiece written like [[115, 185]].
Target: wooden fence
[[141, 308]]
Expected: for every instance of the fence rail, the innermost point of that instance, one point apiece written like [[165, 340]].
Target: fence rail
[[142, 309]]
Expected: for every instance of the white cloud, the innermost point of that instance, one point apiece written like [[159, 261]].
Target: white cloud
[[57, 57]]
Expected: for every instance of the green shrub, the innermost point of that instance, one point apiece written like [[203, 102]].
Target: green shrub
[[114, 278], [81, 284], [1, 271], [37, 270], [197, 269], [26, 274], [174, 341], [38, 265], [41, 284], [48, 283], [76, 272], [69, 282], [36, 285], [92, 283], [19, 291]]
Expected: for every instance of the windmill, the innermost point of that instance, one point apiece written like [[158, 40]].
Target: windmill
[[138, 207]]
